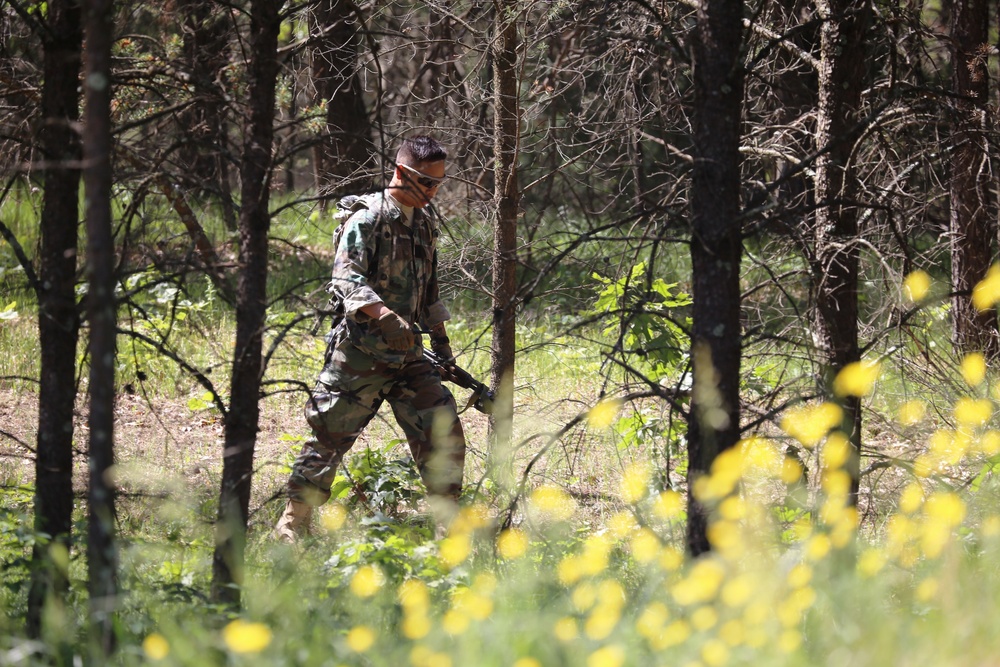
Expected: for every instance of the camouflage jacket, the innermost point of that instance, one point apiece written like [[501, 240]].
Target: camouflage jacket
[[383, 257]]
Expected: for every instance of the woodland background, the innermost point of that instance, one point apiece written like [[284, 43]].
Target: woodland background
[[708, 210]]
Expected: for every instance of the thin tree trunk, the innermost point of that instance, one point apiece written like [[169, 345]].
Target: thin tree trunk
[[58, 320], [716, 250], [972, 219], [835, 269], [506, 131], [101, 549], [242, 419], [340, 157]]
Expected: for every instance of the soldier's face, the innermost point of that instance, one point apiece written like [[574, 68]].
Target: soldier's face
[[419, 183]]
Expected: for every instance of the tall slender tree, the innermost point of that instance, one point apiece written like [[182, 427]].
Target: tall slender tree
[[58, 318], [340, 155], [835, 230], [243, 417], [973, 218], [102, 568], [506, 136], [716, 249]]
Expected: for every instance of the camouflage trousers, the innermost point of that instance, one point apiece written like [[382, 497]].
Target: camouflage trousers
[[350, 390]]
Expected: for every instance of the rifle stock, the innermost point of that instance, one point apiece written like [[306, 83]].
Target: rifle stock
[[482, 396]]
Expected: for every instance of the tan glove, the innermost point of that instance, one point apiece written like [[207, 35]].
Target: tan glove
[[443, 350], [397, 332]]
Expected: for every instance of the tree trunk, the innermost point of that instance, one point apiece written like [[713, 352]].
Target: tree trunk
[[339, 158], [972, 218], [206, 39], [242, 419], [716, 250], [835, 268], [101, 550], [58, 321], [506, 131]]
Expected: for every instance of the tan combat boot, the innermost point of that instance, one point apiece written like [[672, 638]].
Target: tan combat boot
[[294, 522]]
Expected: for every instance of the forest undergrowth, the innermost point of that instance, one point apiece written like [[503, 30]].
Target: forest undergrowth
[[567, 551]]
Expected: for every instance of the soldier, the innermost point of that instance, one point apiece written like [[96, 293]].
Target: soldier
[[385, 279]]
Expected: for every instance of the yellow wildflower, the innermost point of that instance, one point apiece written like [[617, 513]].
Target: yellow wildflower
[[332, 517], [986, 293], [607, 656], [565, 629], [973, 411], [634, 483], [243, 637], [156, 646], [603, 415], [916, 285], [512, 544], [974, 368], [552, 503], [360, 638], [911, 412], [366, 581], [669, 505], [810, 424], [856, 379], [455, 549]]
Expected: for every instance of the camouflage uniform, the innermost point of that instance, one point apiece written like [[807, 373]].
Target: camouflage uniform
[[381, 257]]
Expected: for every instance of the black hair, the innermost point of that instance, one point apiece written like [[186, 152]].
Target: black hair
[[420, 148]]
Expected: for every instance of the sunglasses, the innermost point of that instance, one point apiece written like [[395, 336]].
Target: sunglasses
[[422, 179]]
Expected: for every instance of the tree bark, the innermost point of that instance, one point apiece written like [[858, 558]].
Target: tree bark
[[102, 559], [973, 225], [835, 266], [242, 419], [506, 195], [58, 320], [340, 157], [716, 249]]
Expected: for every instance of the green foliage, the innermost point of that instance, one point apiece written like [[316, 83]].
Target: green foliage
[[640, 316]]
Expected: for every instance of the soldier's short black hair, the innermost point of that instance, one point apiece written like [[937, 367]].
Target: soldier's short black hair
[[420, 148]]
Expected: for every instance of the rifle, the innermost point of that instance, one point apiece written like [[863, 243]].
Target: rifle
[[482, 396]]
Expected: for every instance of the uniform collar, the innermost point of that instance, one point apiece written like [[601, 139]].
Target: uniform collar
[[407, 211]]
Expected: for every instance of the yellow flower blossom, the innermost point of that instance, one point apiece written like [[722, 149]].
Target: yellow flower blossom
[[527, 662], [360, 638], [671, 558], [455, 622], [926, 589], [989, 443], [715, 653], [596, 554], [738, 590], [415, 625], [916, 286], [512, 544], [974, 368], [799, 576], [634, 485], [565, 629], [856, 379], [455, 549], [645, 546], [791, 470], [986, 293], [332, 517], [732, 632], [676, 633], [973, 411], [911, 412], [701, 584], [367, 581], [669, 505], [414, 595], [156, 646], [836, 452], [789, 641], [911, 498], [652, 619], [607, 656], [243, 637], [946, 507], [552, 503], [601, 622], [621, 525], [810, 424], [704, 618], [570, 570], [818, 547], [871, 562], [603, 415]]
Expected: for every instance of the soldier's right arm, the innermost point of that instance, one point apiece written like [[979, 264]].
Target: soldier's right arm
[[352, 262]]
